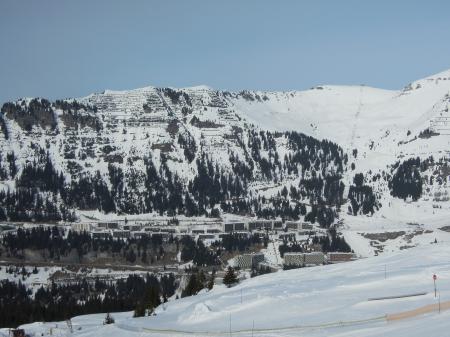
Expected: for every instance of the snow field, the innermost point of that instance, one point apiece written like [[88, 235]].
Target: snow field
[[319, 301]]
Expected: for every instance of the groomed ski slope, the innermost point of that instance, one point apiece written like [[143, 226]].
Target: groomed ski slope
[[328, 300]]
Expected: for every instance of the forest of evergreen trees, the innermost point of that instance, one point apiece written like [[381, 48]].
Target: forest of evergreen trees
[[54, 245], [59, 302], [331, 242], [361, 196], [198, 280], [198, 253], [407, 181]]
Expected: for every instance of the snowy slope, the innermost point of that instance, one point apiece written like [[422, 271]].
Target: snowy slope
[[383, 126], [332, 111], [329, 300], [356, 116], [324, 112], [372, 120]]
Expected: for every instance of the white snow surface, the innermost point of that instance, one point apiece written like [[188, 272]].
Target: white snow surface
[[308, 298]]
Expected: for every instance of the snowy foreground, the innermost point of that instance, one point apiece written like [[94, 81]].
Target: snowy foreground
[[328, 300]]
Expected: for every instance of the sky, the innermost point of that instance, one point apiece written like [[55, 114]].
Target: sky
[[58, 49]]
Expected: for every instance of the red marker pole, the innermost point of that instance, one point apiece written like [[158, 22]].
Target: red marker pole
[[434, 281]]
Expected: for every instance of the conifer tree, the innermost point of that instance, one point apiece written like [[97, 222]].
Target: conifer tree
[[230, 277], [210, 284], [108, 319]]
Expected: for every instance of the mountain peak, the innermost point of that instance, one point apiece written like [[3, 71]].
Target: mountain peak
[[441, 79]]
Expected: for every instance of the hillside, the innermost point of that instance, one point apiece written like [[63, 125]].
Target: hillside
[[329, 300], [157, 150], [331, 154]]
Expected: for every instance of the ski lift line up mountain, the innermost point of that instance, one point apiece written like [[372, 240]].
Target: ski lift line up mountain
[[358, 112]]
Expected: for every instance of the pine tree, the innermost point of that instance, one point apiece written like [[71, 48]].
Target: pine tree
[[139, 310], [230, 277], [210, 284], [193, 286], [108, 319], [144, 257]]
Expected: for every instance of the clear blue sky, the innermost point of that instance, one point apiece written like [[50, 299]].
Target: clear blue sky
[[62, 49]]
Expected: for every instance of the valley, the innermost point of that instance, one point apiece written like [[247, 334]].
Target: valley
[[155, 184]]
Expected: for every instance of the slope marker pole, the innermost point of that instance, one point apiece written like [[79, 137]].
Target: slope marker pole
[[439, 302], [434, 282]]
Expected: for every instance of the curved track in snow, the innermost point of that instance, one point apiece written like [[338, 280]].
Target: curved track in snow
[[436, 307]]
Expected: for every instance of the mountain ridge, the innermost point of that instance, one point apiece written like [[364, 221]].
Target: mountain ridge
[[194, 150]]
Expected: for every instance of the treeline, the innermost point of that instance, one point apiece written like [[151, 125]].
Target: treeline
[[54, 244], [291, 247], [40, 112], [198, 280], [203, 256], [238, 242], [406, 182], [198, 253], [9, 169], [60, 302], [36, 112], [331, 242], [361, 196]]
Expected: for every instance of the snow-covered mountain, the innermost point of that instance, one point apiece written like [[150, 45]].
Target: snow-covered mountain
[[192, 150]]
